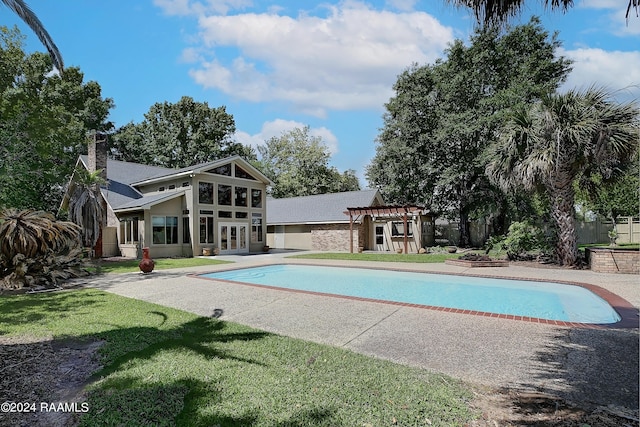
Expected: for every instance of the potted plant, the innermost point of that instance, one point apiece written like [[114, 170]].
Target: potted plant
[[265, 248]]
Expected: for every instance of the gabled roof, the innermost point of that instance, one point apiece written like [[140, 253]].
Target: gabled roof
[[318, 209], [146, 202], [203, 167], [123, 177]]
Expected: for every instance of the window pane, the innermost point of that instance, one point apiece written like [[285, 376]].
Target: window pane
[[172, 229], [223, 238], [241, 196], [241, 173], [203, 230], [256, 198], [224, 195], [158, 230], [210, 229], [205, 193], [256, 227], [186, 230]]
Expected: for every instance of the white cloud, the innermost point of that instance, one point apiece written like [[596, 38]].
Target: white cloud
[[277, 127], [616, 71], [347, 59]]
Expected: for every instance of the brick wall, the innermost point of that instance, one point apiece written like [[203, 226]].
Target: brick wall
[[335, 237], [603, 260]]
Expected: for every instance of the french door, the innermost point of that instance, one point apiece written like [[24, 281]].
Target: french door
[[233, 237]]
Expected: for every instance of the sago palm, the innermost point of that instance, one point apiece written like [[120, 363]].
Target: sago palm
[[25, 13], [557, 139], [86, 207], [33, 233]]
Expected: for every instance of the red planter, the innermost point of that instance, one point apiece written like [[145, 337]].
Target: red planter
[[147, 264]]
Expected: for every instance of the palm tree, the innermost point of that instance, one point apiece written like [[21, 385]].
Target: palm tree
[[26, 14], [86, 207], [551, 143], [497, 11]]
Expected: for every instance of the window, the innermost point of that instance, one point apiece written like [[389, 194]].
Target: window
[[128, 231], [185, 184], [205, 193], [222, 170], [241, 173], [256, 227], [397, 229], [256, 198], [241, 215], [172, 187], [165, 230], [186, 230], [225, 214], [161, 188], [224, 195], [241, 196], [206, 229]]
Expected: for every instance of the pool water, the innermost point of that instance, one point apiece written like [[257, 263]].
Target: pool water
[[543, 300]]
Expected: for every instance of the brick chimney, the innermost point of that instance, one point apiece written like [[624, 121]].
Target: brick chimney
[[98, 153]]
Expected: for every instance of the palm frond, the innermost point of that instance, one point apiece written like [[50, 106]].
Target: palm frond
[[20, 8]]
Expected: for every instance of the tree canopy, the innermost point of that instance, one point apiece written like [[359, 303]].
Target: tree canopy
[[179, 135], [298, 164], [444, 115], [44, 119]]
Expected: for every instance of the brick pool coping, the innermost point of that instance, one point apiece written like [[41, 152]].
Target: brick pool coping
[[628, 313]]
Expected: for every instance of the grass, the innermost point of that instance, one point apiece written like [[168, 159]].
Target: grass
[[387, 257], [167, 367], [130, 266]]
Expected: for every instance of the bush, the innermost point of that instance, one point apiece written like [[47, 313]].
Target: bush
[[523, 241], [36, 250]]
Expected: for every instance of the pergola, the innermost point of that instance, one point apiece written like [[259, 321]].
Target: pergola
[[393, 211]]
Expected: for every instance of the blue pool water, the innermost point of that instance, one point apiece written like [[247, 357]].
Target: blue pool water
[[544, 300]]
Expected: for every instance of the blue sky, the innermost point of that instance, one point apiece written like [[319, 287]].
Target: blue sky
[[281, 64]]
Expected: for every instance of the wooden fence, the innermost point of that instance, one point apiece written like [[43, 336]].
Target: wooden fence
[[587, 232]]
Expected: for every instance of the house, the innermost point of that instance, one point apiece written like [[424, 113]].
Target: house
[[342, 221], [179, 212]]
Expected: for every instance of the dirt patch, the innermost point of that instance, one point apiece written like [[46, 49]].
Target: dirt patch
[[45, 380], [511, 409], [45, 371]]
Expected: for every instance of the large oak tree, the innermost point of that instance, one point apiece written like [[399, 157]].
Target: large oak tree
[[444, 115], [179, 135]]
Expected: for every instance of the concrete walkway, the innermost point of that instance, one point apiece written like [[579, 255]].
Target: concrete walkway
[[590, 366]]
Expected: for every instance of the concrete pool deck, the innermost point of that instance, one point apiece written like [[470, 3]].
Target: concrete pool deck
[[590, 366]]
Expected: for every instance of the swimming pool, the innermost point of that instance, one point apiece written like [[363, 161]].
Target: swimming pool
[[541, 300]]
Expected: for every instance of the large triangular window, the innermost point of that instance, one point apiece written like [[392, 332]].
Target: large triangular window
[[221, 170], [241, 173]]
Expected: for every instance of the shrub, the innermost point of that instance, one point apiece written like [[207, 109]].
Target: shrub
[[523, 241], [36, 250]]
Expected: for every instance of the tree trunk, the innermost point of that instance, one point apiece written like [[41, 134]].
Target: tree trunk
[[563, 215], [464, 229]]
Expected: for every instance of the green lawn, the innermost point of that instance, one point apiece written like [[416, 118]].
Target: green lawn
[[165, 367], [130, 266], [388, 257]]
